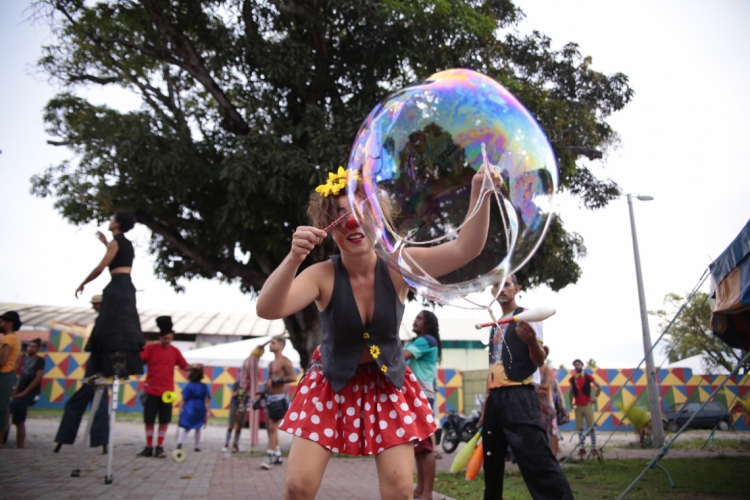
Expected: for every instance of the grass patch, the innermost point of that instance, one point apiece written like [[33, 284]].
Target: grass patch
[[716, 477], [698, 444]]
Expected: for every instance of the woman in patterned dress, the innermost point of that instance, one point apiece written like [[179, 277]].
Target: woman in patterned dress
[[358, 397]]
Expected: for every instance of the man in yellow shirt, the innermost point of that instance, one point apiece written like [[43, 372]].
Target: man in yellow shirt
[[511, 414], [10, 347]]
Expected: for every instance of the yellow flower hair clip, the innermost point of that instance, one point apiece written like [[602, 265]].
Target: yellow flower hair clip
[[336, 182]]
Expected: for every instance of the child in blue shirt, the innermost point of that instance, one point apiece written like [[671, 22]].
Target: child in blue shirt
[[196, 403]]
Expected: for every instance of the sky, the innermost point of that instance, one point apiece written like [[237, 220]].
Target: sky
[[683, 140]]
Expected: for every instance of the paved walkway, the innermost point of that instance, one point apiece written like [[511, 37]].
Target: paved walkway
[[38, 473]]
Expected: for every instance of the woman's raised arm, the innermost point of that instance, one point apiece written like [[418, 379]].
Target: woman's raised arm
[[443, 259], [283, 294]]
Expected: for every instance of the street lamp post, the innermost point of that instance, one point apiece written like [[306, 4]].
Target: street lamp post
[[653, 389]]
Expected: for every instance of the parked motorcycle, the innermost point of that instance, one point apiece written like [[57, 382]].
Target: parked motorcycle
[[458, 428]]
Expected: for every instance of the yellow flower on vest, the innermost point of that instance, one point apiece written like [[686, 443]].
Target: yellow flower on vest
[[375, 351], [383, 368]]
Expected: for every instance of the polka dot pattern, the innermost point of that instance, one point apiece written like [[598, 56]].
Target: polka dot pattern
[[368, 416]]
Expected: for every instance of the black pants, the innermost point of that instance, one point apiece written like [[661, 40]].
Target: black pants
[[512, 417], [71, 420]]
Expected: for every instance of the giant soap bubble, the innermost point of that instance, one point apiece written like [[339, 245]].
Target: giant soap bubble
[[421, 147]]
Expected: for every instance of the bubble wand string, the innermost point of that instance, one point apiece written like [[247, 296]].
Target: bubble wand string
[[337, 221]]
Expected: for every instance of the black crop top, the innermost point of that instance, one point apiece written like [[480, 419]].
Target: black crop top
[[125, 253]]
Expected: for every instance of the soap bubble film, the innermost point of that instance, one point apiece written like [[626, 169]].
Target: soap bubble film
[[421, 147]]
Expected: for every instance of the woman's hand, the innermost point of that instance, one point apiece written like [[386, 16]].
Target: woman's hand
[[495, 175], [79, 291], [304, 240], [101, 237]]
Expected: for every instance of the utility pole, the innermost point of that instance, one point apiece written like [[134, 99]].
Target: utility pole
[[654, 403]]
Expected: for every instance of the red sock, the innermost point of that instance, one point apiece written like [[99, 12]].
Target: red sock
[[162, 434], [149, 435]]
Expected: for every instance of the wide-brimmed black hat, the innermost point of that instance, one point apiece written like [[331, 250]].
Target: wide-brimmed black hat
[[165, 324], [13, 317]]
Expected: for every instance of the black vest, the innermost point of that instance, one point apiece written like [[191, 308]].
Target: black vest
[[345, 337], [515, 353]]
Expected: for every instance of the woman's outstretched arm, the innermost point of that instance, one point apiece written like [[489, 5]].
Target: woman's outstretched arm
[[443, 259], [112, 248]]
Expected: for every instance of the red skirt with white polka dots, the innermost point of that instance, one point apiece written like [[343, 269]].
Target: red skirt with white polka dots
[[368, 416]]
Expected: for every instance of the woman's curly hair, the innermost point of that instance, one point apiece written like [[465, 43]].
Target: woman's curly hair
[[323, 210]]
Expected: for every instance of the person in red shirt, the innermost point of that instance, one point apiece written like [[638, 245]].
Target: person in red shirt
[[160, 358], [583, 404]]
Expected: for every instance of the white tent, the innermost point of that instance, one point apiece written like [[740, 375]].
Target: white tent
[[233, 354]]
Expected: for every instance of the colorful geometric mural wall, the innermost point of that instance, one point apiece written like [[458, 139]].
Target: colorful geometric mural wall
[[65, 366], [450, 392], [677, 386]]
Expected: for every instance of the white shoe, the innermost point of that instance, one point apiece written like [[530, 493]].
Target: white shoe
[[267, 462], [224, 449]]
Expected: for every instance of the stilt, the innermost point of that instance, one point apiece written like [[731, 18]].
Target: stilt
[[100, 388], [111, 444]]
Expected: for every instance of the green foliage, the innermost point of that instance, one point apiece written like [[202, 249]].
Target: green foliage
[[637, 417], [245, 105], [591, 364], [690, 335]]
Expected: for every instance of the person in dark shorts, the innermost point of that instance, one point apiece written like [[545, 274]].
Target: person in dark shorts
[[280, 373], [27, 390], [117, 339], [160, 358]]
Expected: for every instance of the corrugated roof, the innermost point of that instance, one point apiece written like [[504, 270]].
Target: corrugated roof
[[191, 322]]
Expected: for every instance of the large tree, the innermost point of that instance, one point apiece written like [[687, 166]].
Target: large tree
[[247, 104], [690, 334]]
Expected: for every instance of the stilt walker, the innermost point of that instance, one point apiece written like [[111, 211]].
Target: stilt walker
[[117, 339], [250, 385]]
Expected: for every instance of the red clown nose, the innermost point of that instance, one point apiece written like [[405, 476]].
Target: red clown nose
[[351, 223]]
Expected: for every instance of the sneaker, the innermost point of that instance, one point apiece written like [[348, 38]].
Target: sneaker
[[179, 446], [148, 451], [277, 460], [196, 449], [159, 452], [267, 462], [236, 448], [225, 448], [594, 452], [582, 451]]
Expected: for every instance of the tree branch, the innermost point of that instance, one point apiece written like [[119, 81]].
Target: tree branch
[[228, 267], [92, 78], [193, 64], [590, 153]]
